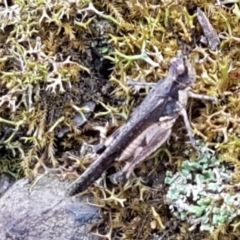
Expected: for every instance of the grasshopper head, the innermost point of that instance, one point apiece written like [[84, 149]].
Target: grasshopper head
[[188, 77], [191, 73], [178, 65], [183, 71]]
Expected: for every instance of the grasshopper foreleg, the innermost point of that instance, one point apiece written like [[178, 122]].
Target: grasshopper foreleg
[[202, 97], [183, 113], [141, 84]]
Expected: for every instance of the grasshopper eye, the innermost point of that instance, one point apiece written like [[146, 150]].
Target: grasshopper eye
[[179, 65], [183, 71]]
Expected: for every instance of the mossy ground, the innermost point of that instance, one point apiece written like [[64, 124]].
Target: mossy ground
[[51, 65]]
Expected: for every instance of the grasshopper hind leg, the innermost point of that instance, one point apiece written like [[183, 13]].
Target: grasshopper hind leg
[[163, 132]]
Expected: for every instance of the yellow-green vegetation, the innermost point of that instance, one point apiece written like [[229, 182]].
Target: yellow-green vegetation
[[54, 59]]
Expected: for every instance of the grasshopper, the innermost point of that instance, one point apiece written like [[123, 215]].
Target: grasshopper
[[148, 128]]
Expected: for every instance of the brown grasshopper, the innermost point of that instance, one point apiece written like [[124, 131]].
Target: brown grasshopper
[[148, 127]]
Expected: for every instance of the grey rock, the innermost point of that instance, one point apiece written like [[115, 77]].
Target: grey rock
[[43, 213], [6, 181], [79, 119]]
